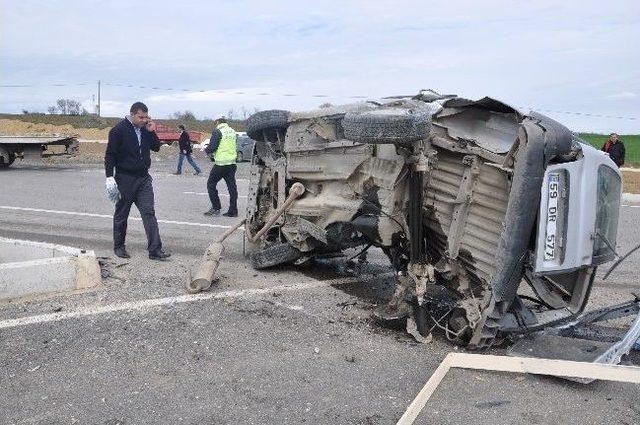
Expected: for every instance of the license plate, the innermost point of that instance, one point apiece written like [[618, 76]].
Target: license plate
[[553, 192]]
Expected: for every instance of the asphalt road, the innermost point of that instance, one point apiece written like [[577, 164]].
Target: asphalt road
[[295, 345]]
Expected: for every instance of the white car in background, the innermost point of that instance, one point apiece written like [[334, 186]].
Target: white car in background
[[245, 146]]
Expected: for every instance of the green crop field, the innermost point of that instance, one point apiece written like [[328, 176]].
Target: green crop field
[[631, 145]]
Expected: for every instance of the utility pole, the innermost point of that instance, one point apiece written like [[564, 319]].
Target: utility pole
[[98, 106]]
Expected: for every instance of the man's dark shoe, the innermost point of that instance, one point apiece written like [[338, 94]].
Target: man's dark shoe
[[212, 212], [159, 255], [230, 214], [197, 173], [121, 252]]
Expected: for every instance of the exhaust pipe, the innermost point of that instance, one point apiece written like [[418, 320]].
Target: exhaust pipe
[[202, 279]]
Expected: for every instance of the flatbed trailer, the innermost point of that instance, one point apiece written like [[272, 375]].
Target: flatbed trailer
[[35, 146]]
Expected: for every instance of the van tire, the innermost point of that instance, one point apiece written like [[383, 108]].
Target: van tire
[[387, 125], [274, 255], [274, 119]]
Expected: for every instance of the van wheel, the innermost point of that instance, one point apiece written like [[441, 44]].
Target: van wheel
[[266, 122], [239, 157], [275, 255], [387, 125]]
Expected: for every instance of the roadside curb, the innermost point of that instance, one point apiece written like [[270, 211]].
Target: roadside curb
[[32, 268]]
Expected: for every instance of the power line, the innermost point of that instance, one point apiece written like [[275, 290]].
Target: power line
[[43, 85], [241, 93], [586, 114]]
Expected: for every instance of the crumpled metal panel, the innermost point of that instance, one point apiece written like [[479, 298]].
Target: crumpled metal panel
[[489, 123], [332, 163], [487, 103], [483, 226], [493, 131]]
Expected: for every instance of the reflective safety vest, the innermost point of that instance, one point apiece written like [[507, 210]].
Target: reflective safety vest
[[226, 153]]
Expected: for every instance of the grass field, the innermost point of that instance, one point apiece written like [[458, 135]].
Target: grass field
[[631, 145]]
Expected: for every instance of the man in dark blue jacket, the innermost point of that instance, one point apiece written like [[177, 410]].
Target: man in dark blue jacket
[[184, 144], [128, 152]]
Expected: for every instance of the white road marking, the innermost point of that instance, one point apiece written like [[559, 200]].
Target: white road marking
[[170, 301], [206, 194], [631, 206], [81, 214]]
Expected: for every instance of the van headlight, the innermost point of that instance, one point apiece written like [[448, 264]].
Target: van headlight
[[607, 212]]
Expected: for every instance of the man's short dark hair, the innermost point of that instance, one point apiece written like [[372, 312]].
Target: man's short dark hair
[[221, 120], [181, 127], [138, 106]]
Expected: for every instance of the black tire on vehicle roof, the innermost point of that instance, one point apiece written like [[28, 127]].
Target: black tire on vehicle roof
[[387, 125], [273, 119], [275, 255]]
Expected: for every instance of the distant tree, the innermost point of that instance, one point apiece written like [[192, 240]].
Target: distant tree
[[66, 107], [230, 114], [326, 105], [184, 116], [73, 107], [25, 112], [62, 106], [52, 110]]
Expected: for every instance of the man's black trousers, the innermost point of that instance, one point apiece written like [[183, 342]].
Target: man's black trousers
[[228, 173], [135, 190]]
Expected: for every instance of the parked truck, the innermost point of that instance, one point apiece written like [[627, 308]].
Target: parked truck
[[169, 135], [35, 146]]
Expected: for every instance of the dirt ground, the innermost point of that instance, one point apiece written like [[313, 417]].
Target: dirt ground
[[19, 128], [93, 153], [631, 181]]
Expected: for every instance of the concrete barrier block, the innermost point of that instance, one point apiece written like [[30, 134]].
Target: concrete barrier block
[[32, 268]]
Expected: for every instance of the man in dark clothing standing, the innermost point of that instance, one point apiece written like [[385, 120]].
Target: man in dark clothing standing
[[222, 150], [615, 148], [128, 152], [185, 151]]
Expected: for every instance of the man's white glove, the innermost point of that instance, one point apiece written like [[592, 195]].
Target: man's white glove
[[111, 189]]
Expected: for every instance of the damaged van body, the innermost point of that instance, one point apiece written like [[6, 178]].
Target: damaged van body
[[493, 220]]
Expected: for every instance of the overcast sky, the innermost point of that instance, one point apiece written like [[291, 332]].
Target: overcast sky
[[568, 56]]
